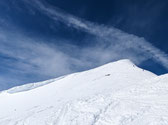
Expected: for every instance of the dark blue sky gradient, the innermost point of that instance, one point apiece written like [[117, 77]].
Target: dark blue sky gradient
[[146, 19], [143, 18], [140, 17]]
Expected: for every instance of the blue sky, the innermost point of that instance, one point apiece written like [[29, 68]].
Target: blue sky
[[45, 39]]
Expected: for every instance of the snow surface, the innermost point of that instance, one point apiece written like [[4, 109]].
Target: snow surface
[[117, 93]]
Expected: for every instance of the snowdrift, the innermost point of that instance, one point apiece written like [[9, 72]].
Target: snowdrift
[[117, 93]]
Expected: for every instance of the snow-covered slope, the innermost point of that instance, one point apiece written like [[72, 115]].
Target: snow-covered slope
[[117, 93]]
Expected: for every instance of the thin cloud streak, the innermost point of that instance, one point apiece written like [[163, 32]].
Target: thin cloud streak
[[109, 34], [30, 59], [36, 59], [25, 57]]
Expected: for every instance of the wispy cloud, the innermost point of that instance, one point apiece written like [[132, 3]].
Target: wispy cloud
[[109, 34], [33, 58], [27, 59]]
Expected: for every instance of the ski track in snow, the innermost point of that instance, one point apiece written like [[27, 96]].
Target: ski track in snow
[[128, 96]]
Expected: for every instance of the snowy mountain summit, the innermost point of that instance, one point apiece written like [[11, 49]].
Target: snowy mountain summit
[[117, 93]]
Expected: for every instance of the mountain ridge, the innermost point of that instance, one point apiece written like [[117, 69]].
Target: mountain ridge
[[34, 85], [116, 93]]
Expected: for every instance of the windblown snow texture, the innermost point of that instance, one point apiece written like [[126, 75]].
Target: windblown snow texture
[[117, 93]]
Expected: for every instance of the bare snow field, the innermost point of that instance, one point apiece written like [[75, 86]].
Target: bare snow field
[[117, 93]]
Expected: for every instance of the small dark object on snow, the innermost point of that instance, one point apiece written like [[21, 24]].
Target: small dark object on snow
[[107, 75]]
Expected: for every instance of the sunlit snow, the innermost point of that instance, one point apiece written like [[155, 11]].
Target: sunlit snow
[[117, 93]]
